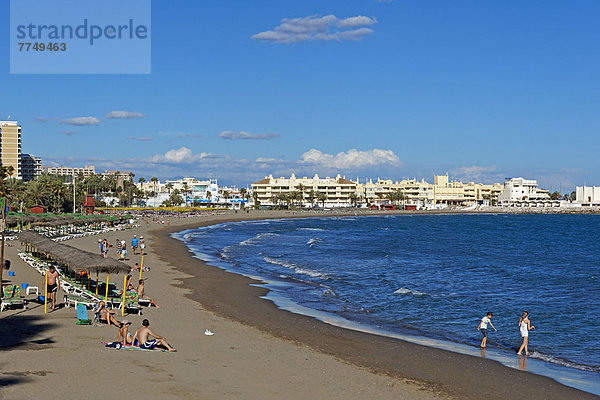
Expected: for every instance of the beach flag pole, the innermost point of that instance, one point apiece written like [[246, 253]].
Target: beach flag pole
[[46, 293], [141, 266], [97, 283], [124, 289], [106, 294]]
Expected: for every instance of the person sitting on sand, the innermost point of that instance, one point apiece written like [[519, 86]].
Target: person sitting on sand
[[104, 314], [140, 292], [142, 335], [483, 327], [124, 336]]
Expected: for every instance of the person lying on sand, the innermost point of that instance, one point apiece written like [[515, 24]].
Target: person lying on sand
[[142, 335]]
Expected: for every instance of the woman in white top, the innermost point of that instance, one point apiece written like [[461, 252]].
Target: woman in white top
[[524, 326]]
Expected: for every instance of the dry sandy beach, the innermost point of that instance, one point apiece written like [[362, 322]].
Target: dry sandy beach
[[257, 352]]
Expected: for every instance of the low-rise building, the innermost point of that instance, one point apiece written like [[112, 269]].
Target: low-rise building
[[588, 196], [70, 171], [522, 192], [334, 192]]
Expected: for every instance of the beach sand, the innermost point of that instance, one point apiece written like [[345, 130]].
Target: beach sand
[[257, 351]]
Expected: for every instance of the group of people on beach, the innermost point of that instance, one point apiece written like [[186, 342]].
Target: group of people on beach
[[121, 247], [143, 338], [524, 328]]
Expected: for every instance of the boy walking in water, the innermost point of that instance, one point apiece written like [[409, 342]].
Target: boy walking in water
[[483, 327]]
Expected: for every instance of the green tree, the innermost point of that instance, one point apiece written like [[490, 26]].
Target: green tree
[[322, 197], [312, 195]]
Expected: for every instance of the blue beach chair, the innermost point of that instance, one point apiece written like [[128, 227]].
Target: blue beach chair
[[82, 315]]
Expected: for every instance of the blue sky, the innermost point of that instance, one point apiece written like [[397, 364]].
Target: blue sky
[[240, 89]]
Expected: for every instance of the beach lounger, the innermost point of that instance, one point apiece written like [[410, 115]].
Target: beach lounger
[[73, 300], [82, 315], [12, 298]]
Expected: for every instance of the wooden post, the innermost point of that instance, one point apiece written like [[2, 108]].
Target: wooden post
[[106, 294], [97, 283], [46, 293], [124, 289]]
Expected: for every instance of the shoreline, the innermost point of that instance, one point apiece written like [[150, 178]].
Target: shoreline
[[241, 299]]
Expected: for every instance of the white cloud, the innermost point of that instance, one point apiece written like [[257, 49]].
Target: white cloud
[[179, 156], [80, 121], [232, 135], [42, 119], [353, 159], [123, 115], [313, 28], [355, 22]]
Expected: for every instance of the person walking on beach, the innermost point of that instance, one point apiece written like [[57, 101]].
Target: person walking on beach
[[142, 245], [142, 335], [483, 327], [105, 246], [134, 244], [524, 326], [53, 284]]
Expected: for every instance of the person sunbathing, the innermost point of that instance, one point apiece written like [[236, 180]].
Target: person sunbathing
[[124, 336], [140, 292], [106, 315], [142, 335]]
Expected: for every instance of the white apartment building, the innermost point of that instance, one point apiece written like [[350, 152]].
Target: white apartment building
[[339, 191], [192, 190], [423, 194], [588, 196], [523, 192], [31, 167], [70, 171]]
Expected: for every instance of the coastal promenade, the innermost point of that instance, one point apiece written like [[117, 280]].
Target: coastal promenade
[[257, 352]]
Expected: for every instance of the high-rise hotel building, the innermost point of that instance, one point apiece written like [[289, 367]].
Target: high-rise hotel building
[[25, 166], [10, 146]]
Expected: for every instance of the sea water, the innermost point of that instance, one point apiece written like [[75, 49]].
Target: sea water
[[433, 277]]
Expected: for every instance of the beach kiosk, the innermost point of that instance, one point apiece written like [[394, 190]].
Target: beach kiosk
[[89, 204]]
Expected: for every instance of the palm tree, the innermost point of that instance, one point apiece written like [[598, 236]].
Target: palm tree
[[255, 197], [322, 197], [169, 186], [295, 195], [4, 173], [380, 195], [353, 197], [185, 191], [311, 197], [301, 189], [243, 192], [154, 180]]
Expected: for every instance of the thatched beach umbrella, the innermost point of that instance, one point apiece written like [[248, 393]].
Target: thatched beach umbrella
[[76, 259]]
